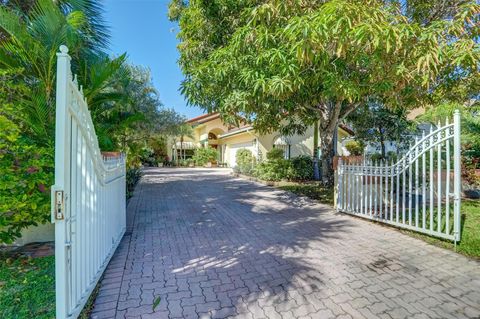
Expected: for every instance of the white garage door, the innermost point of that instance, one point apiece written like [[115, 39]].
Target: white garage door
[[232, 152]]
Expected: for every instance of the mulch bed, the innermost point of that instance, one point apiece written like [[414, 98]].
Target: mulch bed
[[33, 250]]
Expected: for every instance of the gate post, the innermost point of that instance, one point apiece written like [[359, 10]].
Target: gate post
[[457, 179], [61, 188]]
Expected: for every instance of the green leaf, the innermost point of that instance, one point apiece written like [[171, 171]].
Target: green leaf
[[156, 302]]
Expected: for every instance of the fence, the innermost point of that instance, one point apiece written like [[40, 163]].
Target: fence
[[88, 198], [420, 192]]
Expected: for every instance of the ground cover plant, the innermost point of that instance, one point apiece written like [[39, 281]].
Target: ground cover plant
[[27, 287]]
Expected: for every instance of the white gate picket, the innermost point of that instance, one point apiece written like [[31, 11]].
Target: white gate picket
[[88, 198], [411, 193]]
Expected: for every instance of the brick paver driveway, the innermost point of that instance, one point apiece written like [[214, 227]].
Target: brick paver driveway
[[205, 245]]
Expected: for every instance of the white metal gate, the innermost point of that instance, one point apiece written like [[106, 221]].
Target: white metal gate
[[88, 198], [420, 192]]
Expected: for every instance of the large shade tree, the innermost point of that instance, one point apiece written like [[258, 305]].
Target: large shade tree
[[376, 125], [286, 64]]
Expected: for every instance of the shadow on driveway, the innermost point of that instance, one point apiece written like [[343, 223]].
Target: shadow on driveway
[[204, 244]]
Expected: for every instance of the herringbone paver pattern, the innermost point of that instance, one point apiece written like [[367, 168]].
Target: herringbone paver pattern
[[202, 244]]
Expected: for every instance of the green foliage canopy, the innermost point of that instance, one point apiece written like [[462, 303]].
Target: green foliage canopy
[[285, 64], [376, 124]]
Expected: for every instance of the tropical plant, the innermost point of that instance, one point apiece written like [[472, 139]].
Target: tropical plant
[[245, 161], [31, 41], [275, 154], [287, 64], [302, 168], [355, 148], [124, 105], [204, 155], [181, 132], [26, 169]]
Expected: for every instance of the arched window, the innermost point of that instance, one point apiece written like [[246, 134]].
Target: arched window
[[283, 143]]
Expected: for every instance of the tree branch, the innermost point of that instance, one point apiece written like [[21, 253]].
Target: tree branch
[[347, 110]]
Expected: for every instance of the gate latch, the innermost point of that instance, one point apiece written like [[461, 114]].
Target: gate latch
[[59, 205]]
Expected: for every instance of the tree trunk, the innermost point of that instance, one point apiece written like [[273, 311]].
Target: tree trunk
[[181, 148], [326, 145], [330, 114], [316, 173], [382, 145]]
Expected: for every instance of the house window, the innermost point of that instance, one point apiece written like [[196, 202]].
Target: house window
[[283, 143]]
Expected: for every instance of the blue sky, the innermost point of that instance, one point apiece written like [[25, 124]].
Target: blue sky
[[142, 29]]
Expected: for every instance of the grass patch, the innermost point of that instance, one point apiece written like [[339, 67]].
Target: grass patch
[[312, 190], [27, 287], [470, 240]]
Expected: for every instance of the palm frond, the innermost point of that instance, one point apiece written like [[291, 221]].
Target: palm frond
[[96, 27]]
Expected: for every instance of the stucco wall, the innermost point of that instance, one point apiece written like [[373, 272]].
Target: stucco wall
[[216, 125], [302, 144], [40, 233], [265, 144]]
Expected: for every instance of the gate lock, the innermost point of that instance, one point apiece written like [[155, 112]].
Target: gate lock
[[59, 205]]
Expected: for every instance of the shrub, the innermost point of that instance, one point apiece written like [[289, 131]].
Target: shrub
[[186, 162], [26, 165], [204, 155], [275, 154], [354, 147], [26, 173], [132, 177], [245, 161], [147, 157], [302, 168], [376, 157], [392, 157], [274, 170]]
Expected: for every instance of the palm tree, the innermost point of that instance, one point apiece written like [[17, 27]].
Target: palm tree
[[31, 36], [184, 130]]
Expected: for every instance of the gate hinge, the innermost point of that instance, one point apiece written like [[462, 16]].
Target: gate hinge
[[59, 205]]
